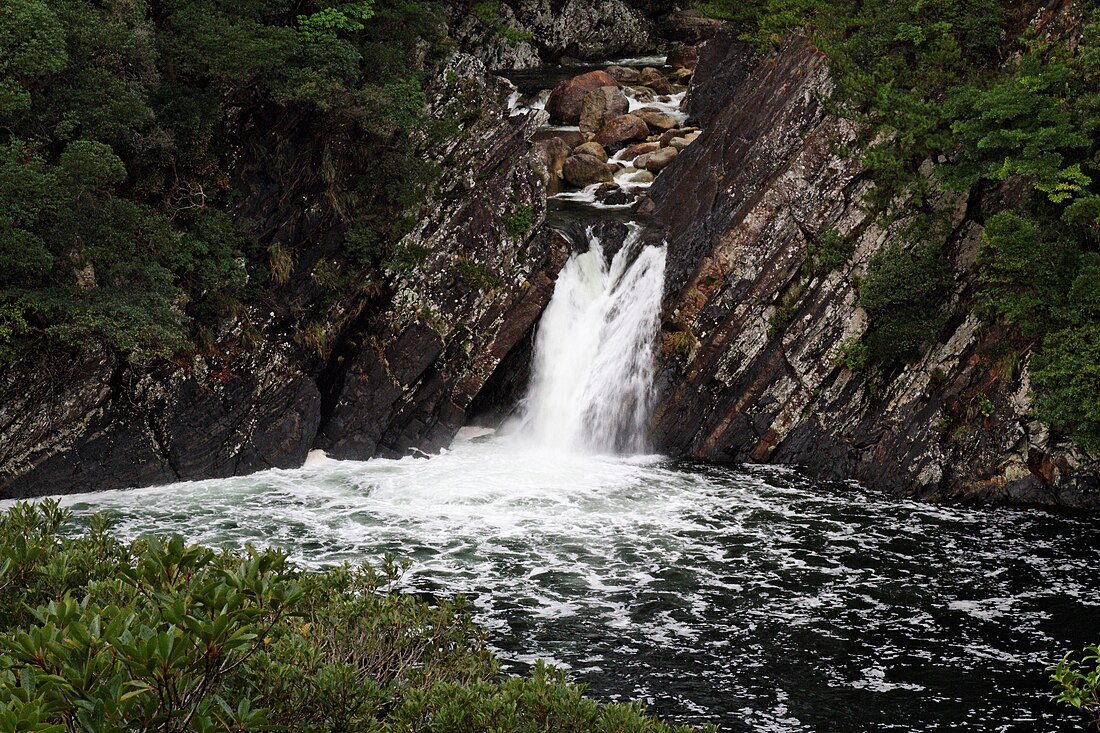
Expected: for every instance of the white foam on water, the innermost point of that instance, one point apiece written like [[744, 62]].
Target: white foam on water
[[671, 107]]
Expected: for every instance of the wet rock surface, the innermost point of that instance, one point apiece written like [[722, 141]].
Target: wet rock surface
[[582, 170], [622, 129], [740, 201], [601, 105], [100, 424], [741, 207]]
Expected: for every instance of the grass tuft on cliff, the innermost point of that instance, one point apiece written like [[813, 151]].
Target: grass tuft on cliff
[[100, 635]]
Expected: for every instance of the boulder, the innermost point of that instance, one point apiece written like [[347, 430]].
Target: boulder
[[662, 87], [552, 154], [623, 74], [683, 57], [641, 160], [594, 149], [649, 76], [642, 177], [681, 76], [637, 149], [642, 94], [572, 138], [656, 119], [659, 161], [584, 170], [622, 129], [671, 135], [679, 143], [688, 26], [564, 104], [600, 105], [615, 196]]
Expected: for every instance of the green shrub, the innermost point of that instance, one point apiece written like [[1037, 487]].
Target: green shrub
[[1024, 278], [903, 293], [347, 18], [116, 160], [762, 22], [97, 635], [829, 251], [853, 355], [487, 11], [1066, 379], [520, 221], [478, 275], [1077, 683]]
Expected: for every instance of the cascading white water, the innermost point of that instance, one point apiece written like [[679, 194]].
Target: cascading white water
[[593, 366]]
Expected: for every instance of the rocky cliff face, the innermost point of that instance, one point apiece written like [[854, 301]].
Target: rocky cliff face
[[408, 372], [525, 33], [393, 365], [750, 368]]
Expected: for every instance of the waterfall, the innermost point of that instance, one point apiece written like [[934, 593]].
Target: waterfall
[[592, 375]]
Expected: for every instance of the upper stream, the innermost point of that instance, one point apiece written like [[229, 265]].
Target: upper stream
[[754, 599]]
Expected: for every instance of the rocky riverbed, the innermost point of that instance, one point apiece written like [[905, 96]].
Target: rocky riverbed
[[609, 131]]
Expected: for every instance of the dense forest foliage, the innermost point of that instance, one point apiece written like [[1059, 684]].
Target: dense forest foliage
[[100, 635], [967, 96], [118, 134]]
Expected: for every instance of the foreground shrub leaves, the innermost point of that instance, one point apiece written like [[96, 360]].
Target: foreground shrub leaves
[[103, 637]]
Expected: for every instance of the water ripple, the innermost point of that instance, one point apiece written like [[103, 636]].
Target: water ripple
[[753, 599]]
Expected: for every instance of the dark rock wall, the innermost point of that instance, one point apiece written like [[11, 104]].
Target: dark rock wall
[[740, 207], [403, 365], [97, 424]]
